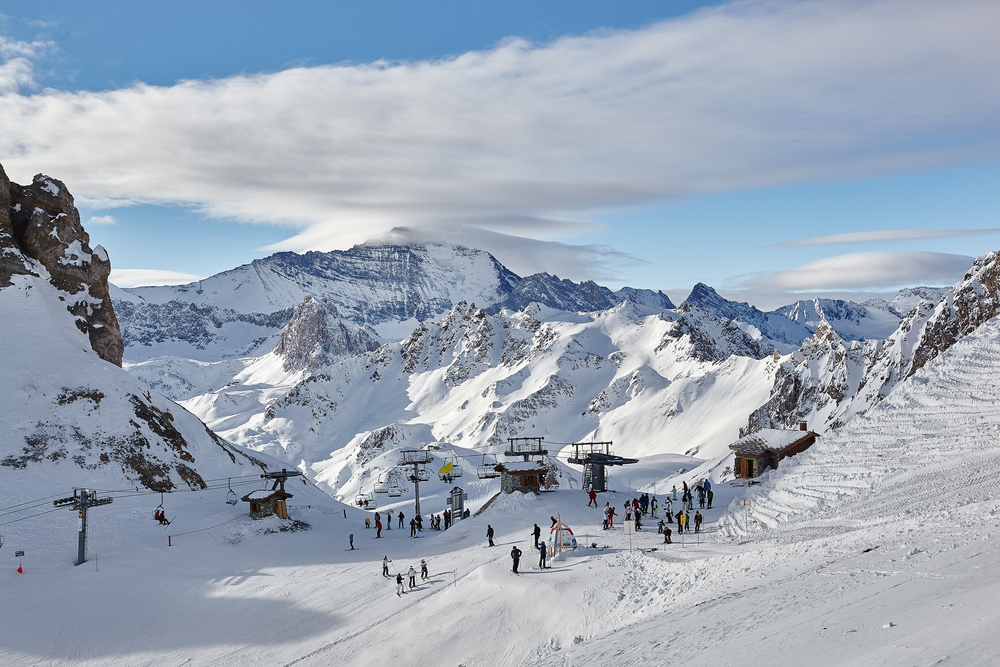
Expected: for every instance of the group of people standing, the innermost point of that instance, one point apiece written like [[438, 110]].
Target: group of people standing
[[704, 492]]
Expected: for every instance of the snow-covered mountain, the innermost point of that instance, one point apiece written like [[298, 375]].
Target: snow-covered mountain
[[69, 407], [828, 380], [649, 380], [388, 288]]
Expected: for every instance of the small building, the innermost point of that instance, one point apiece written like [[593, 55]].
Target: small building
[[265, 503], [523, 476], [763, 449]]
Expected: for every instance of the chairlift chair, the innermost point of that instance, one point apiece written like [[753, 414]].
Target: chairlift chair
[[231, 498], [488, 470], [422, 475], [395, 490], [381, 486]]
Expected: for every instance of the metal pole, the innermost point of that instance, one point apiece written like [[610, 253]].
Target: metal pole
[[81, 556], [416, 491]]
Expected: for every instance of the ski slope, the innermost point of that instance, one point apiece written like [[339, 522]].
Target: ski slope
[[878, 546]]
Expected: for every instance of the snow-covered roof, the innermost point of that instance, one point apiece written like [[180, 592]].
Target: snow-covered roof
[[522, 466], [265, 494], [768, 439]]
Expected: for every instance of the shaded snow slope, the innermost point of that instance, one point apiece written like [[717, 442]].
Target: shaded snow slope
[[68, 410]]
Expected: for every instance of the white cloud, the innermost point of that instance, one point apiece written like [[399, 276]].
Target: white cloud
[[752, 94], [101, 220], [146, 277], [884, 235], [863, 271], [16, 69], [525, 256]]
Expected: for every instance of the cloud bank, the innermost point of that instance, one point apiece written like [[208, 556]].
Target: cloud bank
[[144, 277], [513, 140], [863, 271], [884, 235]]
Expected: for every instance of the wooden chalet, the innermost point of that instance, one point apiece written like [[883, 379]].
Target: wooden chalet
[[523, 476], [265, 503], [763, 449]]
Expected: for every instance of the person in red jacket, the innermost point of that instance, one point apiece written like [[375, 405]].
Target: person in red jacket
[[593, 498]]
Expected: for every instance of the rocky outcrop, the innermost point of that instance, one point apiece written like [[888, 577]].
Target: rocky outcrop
[[316, 337], [973, 302], [39, 222], [829, 381]]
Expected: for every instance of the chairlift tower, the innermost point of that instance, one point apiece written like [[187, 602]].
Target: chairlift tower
[[594, 456], [81, 501], [280, 477], [526, 447], [416, 458]]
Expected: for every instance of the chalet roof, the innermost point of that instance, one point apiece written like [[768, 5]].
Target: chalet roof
[[522, 466], [769, 440], [266, 494]]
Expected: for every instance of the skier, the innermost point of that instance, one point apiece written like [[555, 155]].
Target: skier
[[687, 522], [412, 574], [611, 518], [659, 527], [668, 508], [710, 495], [593, 498], [537, 532], [413, 527], [368, 523], [675, 492], [607, 508], [701, 498], [542, 553], [680, 522], [351, 538], [385, 566], [400, 519], [638, 522], [697, 522], [489, 534], [515, 555], [654, 506], [666, 535], [423, 569], [399, 584], [554, 521], [378, 527]]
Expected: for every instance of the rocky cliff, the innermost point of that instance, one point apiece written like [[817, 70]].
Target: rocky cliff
[[40, 231]]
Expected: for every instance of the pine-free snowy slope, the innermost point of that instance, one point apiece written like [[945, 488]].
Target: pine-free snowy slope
[[878, 546]]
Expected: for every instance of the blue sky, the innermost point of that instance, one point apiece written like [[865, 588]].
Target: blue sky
[[774, 150]]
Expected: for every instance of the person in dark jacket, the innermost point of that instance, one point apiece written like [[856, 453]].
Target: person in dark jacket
[[543, 551], [697, 522], [537, 532], [489, 534], [515, 555]]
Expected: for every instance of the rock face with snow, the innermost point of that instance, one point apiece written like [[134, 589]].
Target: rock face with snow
[[390, 288], [39, 224], [316, 337], [829, 380], [67, 411]]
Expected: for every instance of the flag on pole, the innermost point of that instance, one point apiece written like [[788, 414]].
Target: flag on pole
[[446, 467]]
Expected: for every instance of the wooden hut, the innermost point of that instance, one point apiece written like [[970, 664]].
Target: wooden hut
[[265, 503], [523, 476], [762, 450]]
